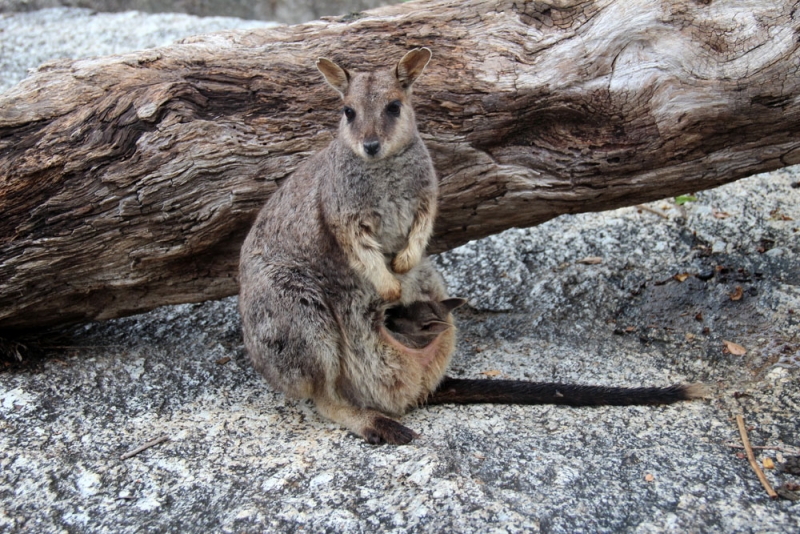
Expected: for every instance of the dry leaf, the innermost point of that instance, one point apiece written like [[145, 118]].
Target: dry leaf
[[689, 336], [720, 214], [778, 215], [631, 329], [223, 361], [768, 463], [649, 478], [699, 316], [734, 348], [737, 293], [591, 260], [681, 277], [491, 373]]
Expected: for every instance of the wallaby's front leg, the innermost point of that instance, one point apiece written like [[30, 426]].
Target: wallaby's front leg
[[421, 231], [366, 256]]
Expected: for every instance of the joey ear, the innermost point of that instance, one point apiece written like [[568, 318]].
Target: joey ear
[[336, 76], [436, 327], [453, 303], [411, 66]]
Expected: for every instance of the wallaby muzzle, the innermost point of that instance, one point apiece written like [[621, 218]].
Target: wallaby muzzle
[[372, 147]]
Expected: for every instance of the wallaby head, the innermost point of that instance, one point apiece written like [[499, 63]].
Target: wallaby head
[[377, 120]]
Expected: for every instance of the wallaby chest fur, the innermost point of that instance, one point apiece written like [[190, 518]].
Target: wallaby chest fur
[[386, 194]]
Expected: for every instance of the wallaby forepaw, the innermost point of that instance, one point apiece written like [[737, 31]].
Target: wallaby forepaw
[[403, 262], [385, 430], [391, 293]]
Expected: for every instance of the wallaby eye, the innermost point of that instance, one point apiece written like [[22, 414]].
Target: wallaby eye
[[350, 113], [393, 108]]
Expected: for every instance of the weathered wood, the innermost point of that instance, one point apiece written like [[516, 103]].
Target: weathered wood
[[128, 182]]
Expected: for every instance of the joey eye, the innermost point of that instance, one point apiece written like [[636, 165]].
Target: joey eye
[[393, 108], [350, 113]]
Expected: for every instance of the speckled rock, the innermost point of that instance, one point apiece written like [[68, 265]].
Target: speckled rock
[[287, 11], [28, 40]]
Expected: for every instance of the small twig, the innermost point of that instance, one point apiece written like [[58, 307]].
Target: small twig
[[652, 210], [752, 457], [794, 451], [144, 447]]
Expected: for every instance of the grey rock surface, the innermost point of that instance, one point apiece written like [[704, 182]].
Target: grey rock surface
[[241, 458], [286, 11], [30, 39]]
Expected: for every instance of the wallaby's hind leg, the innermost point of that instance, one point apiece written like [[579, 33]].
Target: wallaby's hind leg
[[371, 425]]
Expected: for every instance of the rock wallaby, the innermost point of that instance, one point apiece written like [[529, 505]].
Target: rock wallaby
[[339, 302]]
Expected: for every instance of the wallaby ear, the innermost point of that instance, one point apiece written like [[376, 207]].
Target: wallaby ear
[[453, 303], [336, 76], [411, 66]]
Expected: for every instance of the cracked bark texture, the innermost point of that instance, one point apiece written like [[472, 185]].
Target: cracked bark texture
[[129, 182]]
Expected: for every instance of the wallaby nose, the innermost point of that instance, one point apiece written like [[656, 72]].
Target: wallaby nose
[[372, 147]]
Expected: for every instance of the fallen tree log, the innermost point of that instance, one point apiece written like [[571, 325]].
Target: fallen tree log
[[129, 182]]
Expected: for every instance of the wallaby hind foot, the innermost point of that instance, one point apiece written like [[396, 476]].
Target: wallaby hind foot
[[371, 425]]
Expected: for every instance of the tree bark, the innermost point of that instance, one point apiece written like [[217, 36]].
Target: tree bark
[[129, 182]]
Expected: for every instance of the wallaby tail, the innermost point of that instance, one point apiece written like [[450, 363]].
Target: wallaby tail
[[484, 391]]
